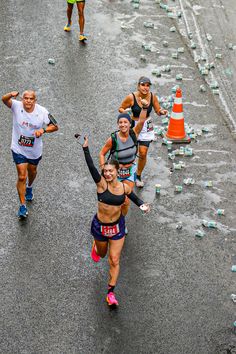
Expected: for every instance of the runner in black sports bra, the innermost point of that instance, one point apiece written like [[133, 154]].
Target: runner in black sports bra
[[109, 198], [108, 225]]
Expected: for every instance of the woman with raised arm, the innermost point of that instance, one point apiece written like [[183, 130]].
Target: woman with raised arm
[[108, 224]]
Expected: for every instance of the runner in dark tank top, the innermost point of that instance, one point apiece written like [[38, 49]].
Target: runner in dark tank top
[[146, 136]]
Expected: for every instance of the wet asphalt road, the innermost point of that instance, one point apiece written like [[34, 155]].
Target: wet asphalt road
[[174, 289]]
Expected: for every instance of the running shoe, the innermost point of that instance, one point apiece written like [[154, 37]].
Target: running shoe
[[29, 194], [139, 183], [111, 299], [126, 230], [23, 212], [67, 27], [95, 257], [82, 37]]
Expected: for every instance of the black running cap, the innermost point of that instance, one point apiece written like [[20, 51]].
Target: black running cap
[[144, 80], [124, 115]]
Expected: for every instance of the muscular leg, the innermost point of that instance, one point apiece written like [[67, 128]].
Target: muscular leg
[[69, 12], [80, 7], [142, 153], [115, 248], [32, 173], [125, 206], [101, 248], [21, 181]]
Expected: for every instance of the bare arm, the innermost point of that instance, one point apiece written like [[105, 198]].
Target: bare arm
[[127, 103], [156, 105], [102, 155], [7, 98], [142, 117], [49, 129]]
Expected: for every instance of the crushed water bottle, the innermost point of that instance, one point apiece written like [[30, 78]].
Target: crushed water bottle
[[175, 55], [220, 212], [205, 130], [173, 29], [199, 233], [147, 47], [233, 297], [208, 183], [177, 166], [178, 189], [210, 224], [148, 24], [169, 145], [209, 37], [188, 151], [51, 61], [171, 156], [202, 88], [158, 188], [179, 225], [189, 181], [179, 77]]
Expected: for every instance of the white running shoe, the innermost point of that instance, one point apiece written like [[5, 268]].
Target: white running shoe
[[139, 183]]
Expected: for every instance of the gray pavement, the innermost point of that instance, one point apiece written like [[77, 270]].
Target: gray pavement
[[174, 289]]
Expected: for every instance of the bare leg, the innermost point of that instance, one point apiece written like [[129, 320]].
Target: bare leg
[[21, 181], [125, 206], [32, 173], [101, 248], [115, 248], [69, 12], [80, 6], [142, 153]]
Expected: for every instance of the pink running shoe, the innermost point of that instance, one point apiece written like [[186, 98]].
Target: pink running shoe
[[95, 257], [111, 299]]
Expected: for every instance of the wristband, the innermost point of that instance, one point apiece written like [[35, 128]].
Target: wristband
[[44, 130], [145, 108]]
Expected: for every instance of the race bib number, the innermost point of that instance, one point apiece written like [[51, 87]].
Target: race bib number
[[125, 172], [149, 125], [26, 141], [109, 231]]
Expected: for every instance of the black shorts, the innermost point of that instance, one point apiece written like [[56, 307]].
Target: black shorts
[[96, 229], [144, 143]]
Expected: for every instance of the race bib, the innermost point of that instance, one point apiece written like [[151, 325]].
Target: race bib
[[149, 125], [125, 172], [26, 141], [109, 231]]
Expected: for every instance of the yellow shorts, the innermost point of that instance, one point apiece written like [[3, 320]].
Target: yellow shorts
[[74, 1]]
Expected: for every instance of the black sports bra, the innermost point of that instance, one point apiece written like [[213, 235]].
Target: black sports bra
[[109, 198], [136, 109]]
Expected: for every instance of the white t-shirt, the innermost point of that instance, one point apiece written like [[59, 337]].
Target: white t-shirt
[[147, 133], [24, 125]]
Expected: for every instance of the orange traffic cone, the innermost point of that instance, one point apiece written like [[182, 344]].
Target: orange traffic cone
[[175, 131]]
